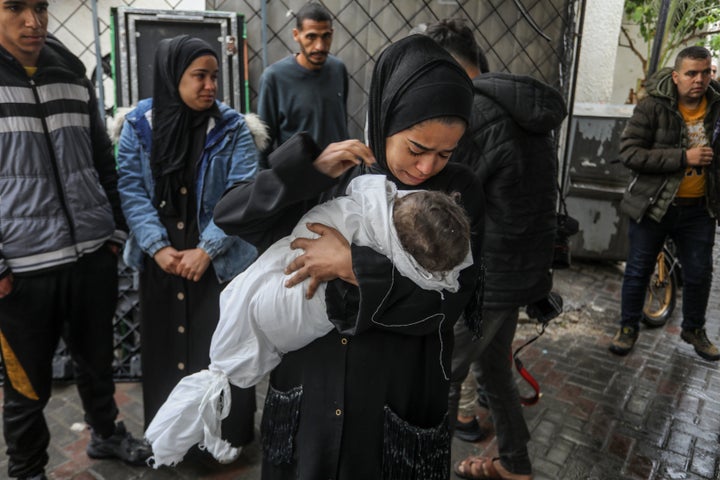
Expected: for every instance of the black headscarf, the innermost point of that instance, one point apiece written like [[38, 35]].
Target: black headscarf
[[414, 80], [173, 121]]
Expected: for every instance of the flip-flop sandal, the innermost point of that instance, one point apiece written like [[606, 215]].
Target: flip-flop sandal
[[475, 468]]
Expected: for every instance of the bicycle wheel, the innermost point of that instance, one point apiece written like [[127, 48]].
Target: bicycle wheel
[[661, 293]]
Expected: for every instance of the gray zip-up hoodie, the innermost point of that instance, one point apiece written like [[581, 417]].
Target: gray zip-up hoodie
[[58, 182]]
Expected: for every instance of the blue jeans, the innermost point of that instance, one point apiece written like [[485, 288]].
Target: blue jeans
[[693, 231]]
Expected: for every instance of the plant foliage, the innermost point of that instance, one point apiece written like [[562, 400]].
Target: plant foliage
[[689, 22]]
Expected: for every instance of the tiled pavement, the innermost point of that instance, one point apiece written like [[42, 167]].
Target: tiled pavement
[[654, 414]]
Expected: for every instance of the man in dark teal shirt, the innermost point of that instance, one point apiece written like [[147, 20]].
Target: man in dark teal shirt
[[306, 91]]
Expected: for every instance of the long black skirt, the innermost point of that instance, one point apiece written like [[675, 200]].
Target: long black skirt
[[178, 318]]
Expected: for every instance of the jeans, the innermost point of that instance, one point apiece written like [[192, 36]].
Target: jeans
[[491, 361], [693, 231]]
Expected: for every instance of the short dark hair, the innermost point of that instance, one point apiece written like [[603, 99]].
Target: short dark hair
[[695, 52], [312, 11], [433, 228], [456, 37]]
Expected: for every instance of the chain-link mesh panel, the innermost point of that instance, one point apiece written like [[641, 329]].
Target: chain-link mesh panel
[[532, 37]]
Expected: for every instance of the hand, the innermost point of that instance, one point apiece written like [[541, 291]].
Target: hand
[[6, 285], [167, 259], [699, 156], [340, 156], [193, 264], [113, 247], [324, 259]]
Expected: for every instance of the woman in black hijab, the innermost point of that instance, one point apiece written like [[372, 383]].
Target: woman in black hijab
[[368, 400], [177, 154]]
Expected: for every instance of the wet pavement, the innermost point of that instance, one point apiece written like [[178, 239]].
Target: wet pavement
[[654, 414]]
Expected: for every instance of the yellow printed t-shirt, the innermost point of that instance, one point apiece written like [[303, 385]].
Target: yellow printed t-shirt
[[30, 71], [693, 184]]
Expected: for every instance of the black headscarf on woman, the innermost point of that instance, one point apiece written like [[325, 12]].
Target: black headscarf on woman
[[173, 122], [414, 80]]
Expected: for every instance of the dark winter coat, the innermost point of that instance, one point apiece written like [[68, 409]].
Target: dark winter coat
[[510, 146], [653, 146], [379, 381], [58, 182]]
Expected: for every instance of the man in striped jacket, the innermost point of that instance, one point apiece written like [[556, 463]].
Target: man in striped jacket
[[60, 231]]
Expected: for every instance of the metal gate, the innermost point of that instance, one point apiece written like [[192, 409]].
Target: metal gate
[[533, 37]]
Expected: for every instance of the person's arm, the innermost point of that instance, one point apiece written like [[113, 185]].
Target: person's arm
[[242, 160], [638, 149], [266, 208], [267, 108], [243, 166], [104, 162], [142, 217]]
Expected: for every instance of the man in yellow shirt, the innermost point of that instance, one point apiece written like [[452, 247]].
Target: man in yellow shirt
[[674, 192]]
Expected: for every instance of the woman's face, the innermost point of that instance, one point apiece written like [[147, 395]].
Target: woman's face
[[198, 84], [421, 151]]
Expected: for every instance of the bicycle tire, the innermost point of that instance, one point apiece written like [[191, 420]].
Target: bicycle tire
[[661, 296]]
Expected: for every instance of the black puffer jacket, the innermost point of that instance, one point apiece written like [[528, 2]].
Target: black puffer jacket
[[58, 181], [653, 146], [510, 147]]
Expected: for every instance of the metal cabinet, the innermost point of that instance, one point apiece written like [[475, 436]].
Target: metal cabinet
[[596, 181], [136, 33]]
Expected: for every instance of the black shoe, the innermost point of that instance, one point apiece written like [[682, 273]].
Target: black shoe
[[624, 340], [703, 346], [469, 431], [121, 445]]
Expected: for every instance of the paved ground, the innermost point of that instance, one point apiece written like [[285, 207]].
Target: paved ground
[[654, 414]]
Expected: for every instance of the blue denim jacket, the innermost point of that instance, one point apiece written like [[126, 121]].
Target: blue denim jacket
[[228, 157]]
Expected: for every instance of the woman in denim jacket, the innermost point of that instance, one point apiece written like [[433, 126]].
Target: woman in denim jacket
[[178, 152]]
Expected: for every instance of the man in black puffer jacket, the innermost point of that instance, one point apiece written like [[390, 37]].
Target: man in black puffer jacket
[[674, 192], [509, 144]]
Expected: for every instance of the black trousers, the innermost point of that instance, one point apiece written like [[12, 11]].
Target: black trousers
[[76, 302]]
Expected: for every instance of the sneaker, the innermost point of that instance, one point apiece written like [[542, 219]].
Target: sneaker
[[624, 340], [703, 346], [469, 431], [121, 445]]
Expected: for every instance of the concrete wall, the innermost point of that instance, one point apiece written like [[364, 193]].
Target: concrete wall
[[628, 71], [598, 51]]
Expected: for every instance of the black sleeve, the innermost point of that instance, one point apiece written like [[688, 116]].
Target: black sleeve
[[104, 159], [266, 208], [387, 300], [645, 144]]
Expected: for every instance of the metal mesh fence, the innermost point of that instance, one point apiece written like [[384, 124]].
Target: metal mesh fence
[[532, 37]]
